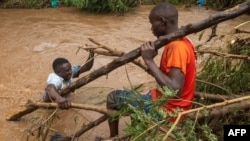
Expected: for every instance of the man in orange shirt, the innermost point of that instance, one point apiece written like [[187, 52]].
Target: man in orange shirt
[[177, 67]]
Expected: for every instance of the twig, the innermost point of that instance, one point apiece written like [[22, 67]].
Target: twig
[[92, 124], [130, 83], [202, 81], [241, 31], [225, 55], [118, 53], [43, 123], [152, 127], [214, 97], [213, 34]]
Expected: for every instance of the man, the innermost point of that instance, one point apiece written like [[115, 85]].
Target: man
[[177, 67], [62, 76]]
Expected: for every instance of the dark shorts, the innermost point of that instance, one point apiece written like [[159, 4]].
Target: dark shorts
[[117, 98]]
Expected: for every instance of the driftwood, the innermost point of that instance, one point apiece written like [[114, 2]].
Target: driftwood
[[73, 105], [160, 42]]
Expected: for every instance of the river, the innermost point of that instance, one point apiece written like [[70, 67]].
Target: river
[[30, 39]]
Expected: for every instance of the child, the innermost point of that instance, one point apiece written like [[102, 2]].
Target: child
[[62, 76]]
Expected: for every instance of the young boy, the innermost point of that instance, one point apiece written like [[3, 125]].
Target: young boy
[[62, 76], [177, 67]]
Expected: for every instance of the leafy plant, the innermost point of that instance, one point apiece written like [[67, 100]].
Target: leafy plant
[[26, 3], [103, 6], [154, 125], [231, 74], [222, 4]]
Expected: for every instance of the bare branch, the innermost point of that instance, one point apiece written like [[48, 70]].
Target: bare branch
[[225, 55]]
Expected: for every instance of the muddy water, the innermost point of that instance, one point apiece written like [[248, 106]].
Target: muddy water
[[31, 39]]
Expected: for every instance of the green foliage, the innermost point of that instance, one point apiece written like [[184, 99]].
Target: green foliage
[[182, 2], [154, 125], [231, 74], [207, 133], [26, 3], [222, 4], [103, 6]]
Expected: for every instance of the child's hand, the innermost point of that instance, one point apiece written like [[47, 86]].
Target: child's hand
[[63, 103], [91, 53]]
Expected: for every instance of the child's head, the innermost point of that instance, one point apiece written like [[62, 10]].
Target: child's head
[[62, 67], [164, 19]]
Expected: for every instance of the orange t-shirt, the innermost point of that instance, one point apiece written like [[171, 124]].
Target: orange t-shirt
[[180, 54]]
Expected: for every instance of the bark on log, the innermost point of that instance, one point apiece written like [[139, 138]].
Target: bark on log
[[221, 110], [183, 31], [73, 105]]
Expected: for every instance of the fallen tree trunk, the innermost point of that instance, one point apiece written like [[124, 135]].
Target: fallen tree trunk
[[160, 42], [220, 109]]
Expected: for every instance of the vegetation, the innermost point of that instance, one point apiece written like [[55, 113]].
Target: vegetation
[[231, 74], [114, 6], [222, 4], [26, 3], [103, 6]]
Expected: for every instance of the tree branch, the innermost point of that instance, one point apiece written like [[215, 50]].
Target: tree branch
[[225, 55]]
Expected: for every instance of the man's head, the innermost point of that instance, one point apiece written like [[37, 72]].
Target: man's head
[[164, 19], [62, 67]]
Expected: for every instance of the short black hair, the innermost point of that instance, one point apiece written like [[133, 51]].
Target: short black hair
[[166, 10], [58, 62]]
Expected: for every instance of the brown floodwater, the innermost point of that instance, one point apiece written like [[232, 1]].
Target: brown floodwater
[[30, 39]]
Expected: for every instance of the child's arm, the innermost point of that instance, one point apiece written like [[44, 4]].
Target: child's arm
[[52, 93], [89, 62]]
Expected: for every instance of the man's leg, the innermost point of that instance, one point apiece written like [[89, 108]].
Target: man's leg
[[113, 127], [112, 105], [116, 99]]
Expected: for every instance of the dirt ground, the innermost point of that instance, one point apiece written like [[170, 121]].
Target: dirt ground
[[30, 39]]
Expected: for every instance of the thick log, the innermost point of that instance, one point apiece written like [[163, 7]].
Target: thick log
[[221, 110], [126, 58]]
